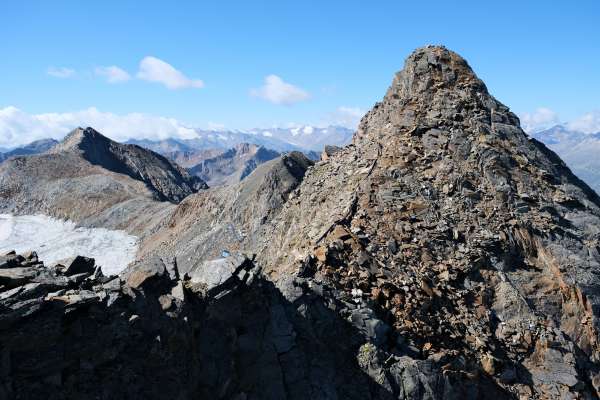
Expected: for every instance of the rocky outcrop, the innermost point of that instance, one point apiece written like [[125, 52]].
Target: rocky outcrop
[[473, 243], [152, 333]]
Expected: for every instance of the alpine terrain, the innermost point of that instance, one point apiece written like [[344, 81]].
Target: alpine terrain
[[442, 254]]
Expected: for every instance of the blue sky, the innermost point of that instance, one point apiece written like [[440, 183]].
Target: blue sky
[[337, 57]]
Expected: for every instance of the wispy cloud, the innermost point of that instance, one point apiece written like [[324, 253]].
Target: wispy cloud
[[18, 127], [277, 91], [153, 69], [60, 72], [348, 117], [113, 74], [588, 123], [541, 118], [215, 126]]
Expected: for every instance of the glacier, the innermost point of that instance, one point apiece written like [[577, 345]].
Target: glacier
[[55, 240]]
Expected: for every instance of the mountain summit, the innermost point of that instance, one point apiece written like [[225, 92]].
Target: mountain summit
[[167, 179], [471, 241], [95, 181]]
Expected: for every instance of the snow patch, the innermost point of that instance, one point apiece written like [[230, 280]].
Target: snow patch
[[55, 240], [267, 134]]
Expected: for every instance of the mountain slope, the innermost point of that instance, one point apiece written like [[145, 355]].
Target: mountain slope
[[229, 217], [161, 146], [464, 252], [579, 150], [94, 181], [469, 240], [442, 255], [166, 179]]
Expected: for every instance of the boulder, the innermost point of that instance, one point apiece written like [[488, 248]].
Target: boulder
[[79, 265]]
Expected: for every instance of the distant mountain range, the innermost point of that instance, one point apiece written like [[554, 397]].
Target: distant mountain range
[[232, 165], [37, 147], [579, 150], [304, 138]]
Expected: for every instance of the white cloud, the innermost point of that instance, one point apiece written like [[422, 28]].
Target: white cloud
[[215, 126], [541, 118], [113, 74], [155, 70], [588, 123], [348, 117], [60, 72], [19, 128], [277, 91]]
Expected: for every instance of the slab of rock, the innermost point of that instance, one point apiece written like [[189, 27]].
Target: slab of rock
[[214, 273], [144, 273]]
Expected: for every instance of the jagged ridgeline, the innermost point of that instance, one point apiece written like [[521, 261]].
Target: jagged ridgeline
[[441, 255]]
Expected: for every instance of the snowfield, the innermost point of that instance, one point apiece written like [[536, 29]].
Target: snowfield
[[55, 240]]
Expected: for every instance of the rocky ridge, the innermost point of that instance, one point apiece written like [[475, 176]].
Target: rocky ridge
[[220, 331], [579, 150], [229, 218], [168, 180]]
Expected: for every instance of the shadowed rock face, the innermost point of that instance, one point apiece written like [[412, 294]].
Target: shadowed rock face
[[442, 255]]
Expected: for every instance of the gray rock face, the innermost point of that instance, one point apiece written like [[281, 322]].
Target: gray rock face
[[213, 274]]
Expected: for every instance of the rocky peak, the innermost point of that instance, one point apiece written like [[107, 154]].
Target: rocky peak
[[80, 138], [432, 68], [446, 215], [436, 89], [164, 177]]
